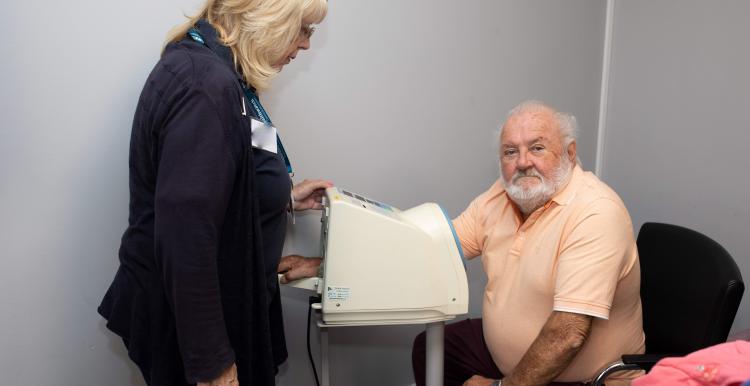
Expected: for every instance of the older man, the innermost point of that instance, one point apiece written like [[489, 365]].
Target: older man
[[562, 297]]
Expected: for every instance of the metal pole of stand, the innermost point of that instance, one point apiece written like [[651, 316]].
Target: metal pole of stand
[[434, 347], [324, 366]]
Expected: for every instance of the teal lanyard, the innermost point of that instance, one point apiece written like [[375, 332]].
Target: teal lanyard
[[260, 112]]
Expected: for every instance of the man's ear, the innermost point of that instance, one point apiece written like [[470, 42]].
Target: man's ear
[[572, 152]]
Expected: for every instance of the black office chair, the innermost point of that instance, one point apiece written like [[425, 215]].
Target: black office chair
[[690, 290]]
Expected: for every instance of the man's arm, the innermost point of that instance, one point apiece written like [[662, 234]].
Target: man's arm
[[558, 343]]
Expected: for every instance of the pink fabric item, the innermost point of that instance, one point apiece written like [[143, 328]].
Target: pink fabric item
[[726, 364]]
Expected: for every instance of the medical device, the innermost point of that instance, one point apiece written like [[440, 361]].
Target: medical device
[[383, 265]]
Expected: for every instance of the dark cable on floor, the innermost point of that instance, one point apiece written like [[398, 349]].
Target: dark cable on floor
[[311, 300]]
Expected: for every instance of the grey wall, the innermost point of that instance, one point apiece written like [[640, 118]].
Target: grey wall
[[677, 130], [398, 100], [71, 73]]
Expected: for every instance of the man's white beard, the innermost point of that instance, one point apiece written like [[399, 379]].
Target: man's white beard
[[533, 198]]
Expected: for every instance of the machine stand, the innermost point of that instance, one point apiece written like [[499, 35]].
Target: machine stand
[[325, 377], [435, 354]]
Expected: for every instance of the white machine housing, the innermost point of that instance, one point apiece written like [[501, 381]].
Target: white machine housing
[[387, 266]]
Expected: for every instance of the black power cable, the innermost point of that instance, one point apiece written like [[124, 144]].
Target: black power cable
[[311, 301]]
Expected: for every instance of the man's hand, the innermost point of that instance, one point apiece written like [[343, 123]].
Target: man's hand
[[227, 378], [309, 193], [478, 380], [295, 267]]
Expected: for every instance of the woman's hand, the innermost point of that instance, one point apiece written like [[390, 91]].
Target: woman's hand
[[227, 378], [308, 194], [295, 267]]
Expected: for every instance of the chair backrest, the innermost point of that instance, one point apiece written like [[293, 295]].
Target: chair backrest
[[690, 289]]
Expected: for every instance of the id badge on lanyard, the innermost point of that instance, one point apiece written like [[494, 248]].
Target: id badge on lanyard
[[260, 112]]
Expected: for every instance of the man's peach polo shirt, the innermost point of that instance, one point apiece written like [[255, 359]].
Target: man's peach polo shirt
[[575, 254]]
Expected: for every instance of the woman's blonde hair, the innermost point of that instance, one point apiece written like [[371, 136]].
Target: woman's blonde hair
[[258, 32]]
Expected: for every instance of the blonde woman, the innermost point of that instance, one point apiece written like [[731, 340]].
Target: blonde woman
[[196, 299]]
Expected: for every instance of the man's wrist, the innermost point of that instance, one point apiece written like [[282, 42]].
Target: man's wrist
[[498, 382]]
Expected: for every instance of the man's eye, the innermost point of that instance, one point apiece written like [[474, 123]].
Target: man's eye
[[537, 148], [509, 152]]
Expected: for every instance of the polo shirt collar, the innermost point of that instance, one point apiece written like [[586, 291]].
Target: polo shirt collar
[[568, 193]]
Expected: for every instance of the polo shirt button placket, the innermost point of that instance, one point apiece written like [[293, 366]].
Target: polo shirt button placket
[[515, 249]]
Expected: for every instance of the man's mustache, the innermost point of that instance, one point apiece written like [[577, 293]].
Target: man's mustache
[[530, 172]]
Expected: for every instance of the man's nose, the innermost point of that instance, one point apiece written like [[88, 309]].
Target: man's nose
[[523, 162]]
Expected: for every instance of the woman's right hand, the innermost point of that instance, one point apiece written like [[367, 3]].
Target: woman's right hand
[[227, 378], [295, 267]]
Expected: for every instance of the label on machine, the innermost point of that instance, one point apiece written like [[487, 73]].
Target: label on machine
[[338, 293]]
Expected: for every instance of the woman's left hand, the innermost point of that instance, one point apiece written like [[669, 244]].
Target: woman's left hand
[[308, 194]]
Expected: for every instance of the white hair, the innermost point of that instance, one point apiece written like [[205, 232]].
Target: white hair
[[567, 123]]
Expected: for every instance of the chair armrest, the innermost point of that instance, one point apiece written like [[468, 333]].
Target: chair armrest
[[645, 361], [613, 368], [630, 362]]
